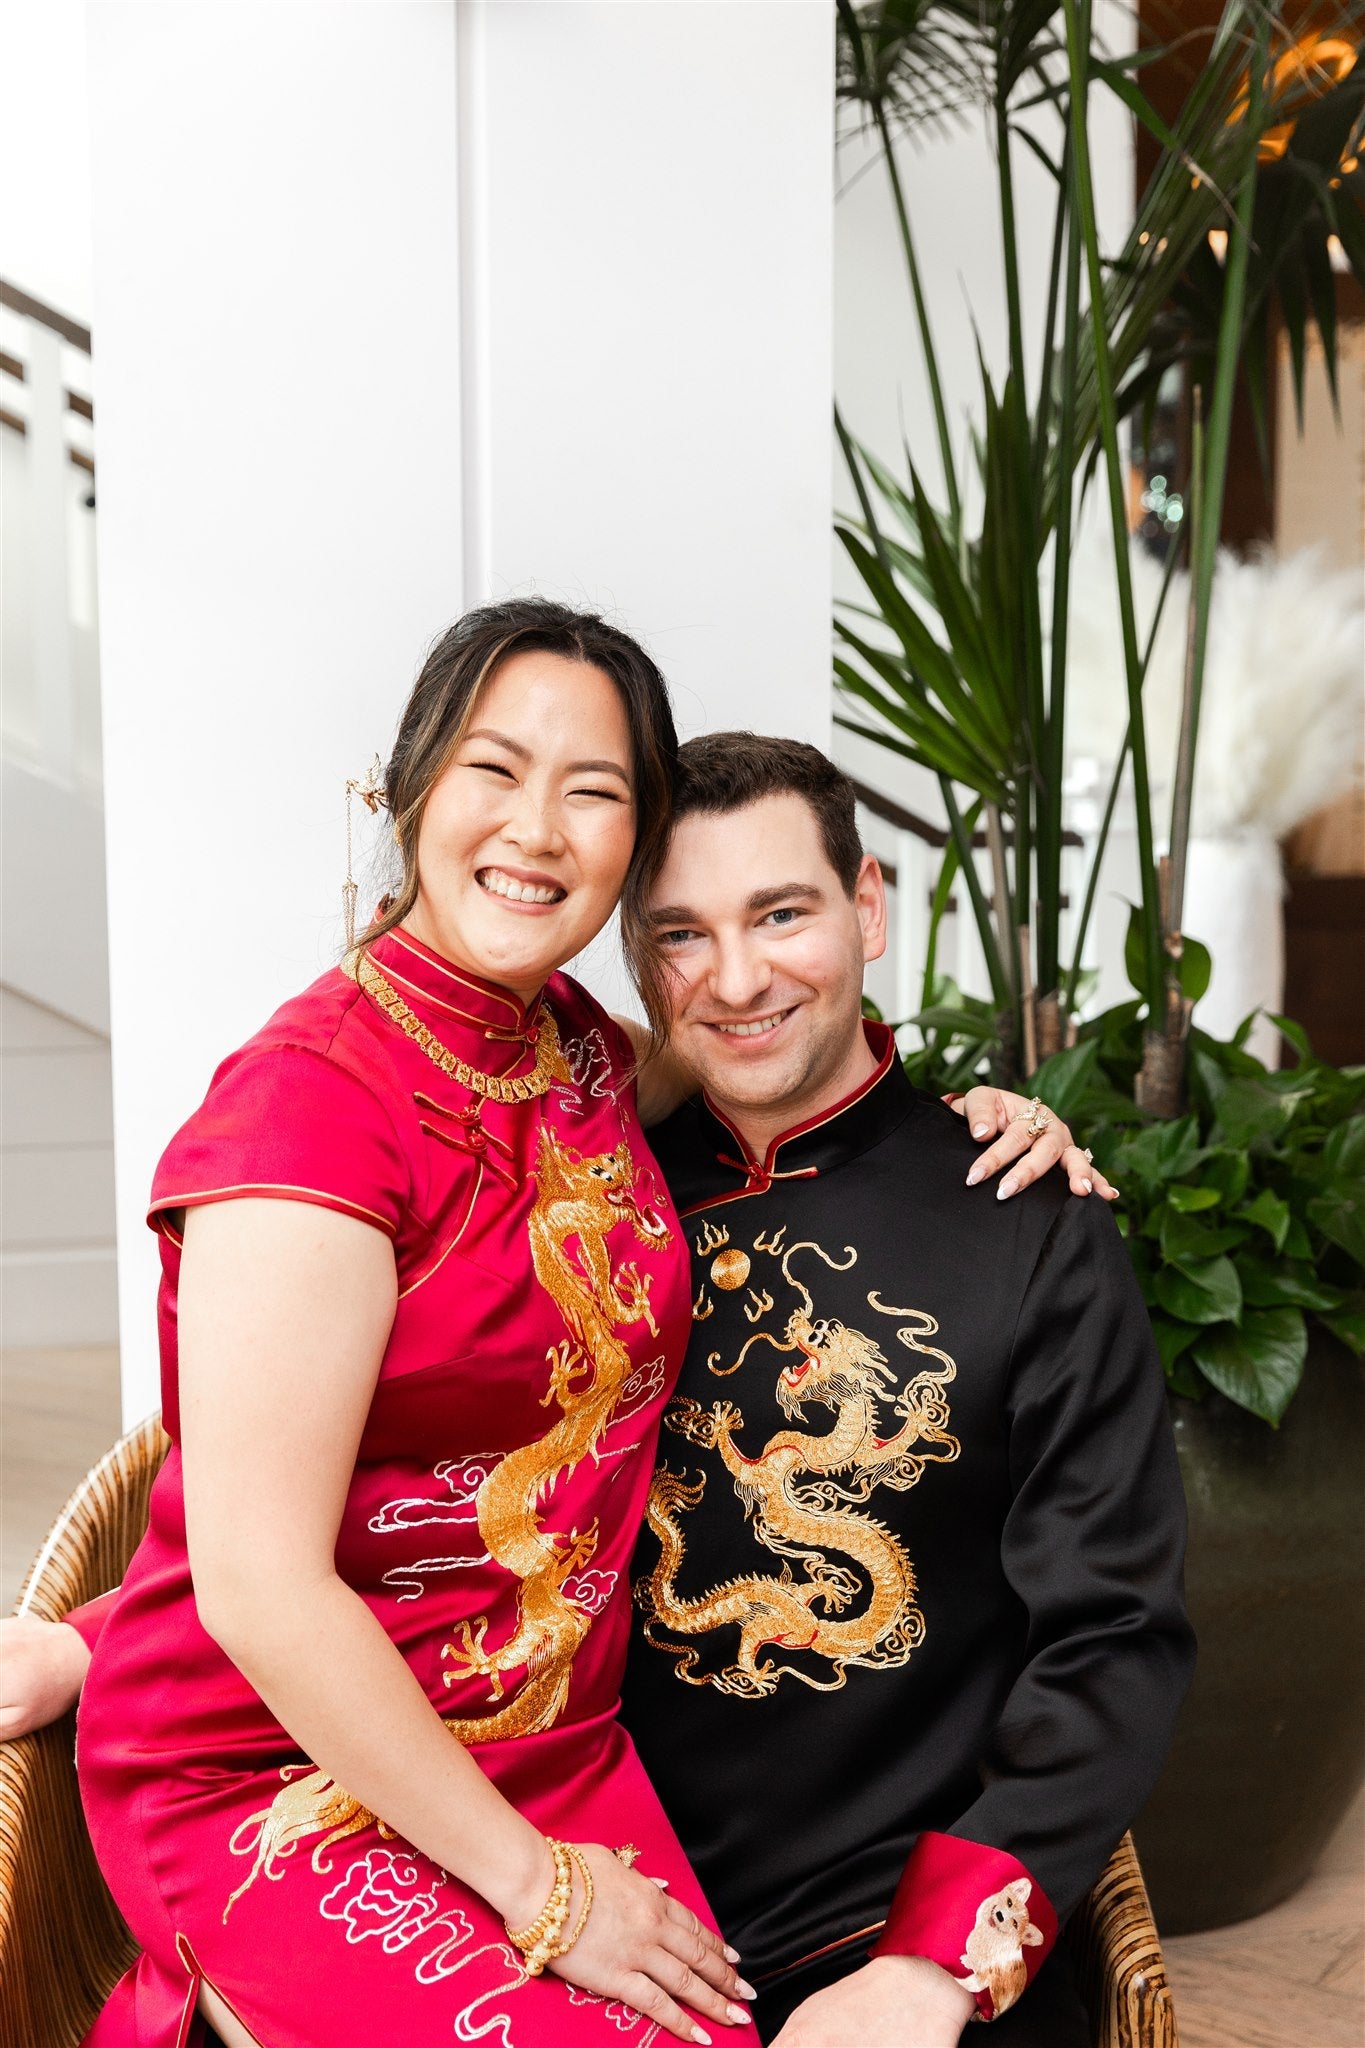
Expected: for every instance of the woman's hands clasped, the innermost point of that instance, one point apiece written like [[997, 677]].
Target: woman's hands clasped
[[649, 1951]]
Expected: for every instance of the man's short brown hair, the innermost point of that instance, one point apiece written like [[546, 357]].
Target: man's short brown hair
[[727, 771]]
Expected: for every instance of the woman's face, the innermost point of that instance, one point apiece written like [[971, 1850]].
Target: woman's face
[[526, 837]]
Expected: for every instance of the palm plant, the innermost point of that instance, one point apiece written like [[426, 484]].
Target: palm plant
[[958, 645]]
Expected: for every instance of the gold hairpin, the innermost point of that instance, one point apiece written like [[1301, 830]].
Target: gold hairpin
[[369, 787]]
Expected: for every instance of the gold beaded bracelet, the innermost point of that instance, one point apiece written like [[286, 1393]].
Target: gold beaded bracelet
[[543, 1941]]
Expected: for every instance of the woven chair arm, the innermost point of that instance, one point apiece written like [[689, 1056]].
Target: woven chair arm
[[1120, 1969], [63, 1944]]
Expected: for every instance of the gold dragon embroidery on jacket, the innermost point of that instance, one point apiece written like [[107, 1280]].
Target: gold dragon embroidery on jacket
[[804, 1494], [579, 1202]]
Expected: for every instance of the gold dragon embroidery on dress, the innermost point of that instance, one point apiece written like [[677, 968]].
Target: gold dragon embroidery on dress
[[579, 1201], [804, 1492]]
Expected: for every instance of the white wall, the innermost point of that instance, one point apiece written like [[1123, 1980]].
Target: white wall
[[45, 154], [399, 305]]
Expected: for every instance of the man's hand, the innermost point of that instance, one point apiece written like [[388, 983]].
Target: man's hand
[[993, 1111], [42, 1669], [892, 2002]]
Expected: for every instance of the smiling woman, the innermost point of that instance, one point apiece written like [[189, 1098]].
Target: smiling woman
[[415, 1227], [534, 758]]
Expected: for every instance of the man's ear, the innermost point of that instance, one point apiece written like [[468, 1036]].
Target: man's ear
[[869, 898]]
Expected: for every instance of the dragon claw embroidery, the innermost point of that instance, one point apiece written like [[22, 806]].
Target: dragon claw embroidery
[[803, 1494]]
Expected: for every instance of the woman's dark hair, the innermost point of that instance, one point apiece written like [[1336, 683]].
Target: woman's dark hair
[[720, 772], [437, 715]]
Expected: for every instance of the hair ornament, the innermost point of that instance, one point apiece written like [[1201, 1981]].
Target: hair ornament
[[369, 787]]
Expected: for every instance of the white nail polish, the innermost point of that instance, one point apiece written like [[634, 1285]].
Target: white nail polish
[[731, 1954], [739, 2016], [1089, 1186], [1005, 1190], [745, 1990], [974, 1176], [699, 2034], [980, 1130]]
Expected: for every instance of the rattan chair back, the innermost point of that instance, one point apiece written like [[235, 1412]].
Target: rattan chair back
[[63, 1944]]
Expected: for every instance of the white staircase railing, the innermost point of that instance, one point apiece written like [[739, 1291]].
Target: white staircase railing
[[55, 942]]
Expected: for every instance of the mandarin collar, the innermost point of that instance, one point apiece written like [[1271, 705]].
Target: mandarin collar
[[435, 985], [815, 1146]]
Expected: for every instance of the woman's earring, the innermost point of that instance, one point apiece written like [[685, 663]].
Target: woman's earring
[[370, 789]]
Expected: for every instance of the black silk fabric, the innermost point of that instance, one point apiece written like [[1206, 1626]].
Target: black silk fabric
[[975, 1622]]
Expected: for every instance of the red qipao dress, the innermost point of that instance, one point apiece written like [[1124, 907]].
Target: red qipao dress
[[542, 1315]]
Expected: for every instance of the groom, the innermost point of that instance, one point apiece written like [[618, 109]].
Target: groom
[[911, 1636]]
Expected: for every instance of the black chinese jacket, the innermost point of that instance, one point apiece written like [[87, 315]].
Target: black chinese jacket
[[911, 1636]]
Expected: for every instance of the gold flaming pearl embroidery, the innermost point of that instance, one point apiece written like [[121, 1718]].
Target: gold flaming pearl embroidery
[[730, 1269], [578, 1200]]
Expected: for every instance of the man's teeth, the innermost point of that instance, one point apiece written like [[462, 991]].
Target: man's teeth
[[499, 884], [754, 1030]]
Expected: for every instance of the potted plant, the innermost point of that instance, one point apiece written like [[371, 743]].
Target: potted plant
[[1244, 1188]]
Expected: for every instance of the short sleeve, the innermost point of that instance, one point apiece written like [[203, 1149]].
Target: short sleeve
[[291, 1124]]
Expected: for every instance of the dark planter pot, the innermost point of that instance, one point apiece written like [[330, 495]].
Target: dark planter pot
[[1271, 1742]]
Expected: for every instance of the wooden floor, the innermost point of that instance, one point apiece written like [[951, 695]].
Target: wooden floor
[[1295, 1978]]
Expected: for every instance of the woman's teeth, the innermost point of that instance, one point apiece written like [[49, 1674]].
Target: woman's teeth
[[754, 1030], [499, 884]]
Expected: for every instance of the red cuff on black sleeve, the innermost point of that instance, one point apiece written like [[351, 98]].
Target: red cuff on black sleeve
[[977, 1913], [90, 1619]]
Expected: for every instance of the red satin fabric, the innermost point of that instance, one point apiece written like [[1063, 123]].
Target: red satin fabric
[[524, 1234]]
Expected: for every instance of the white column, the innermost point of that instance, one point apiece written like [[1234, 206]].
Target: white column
[[398, 306]]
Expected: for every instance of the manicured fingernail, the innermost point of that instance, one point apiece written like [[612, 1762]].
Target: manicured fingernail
[[975, 1175], [700, 2034], [731, 1954], [1113, 1194], [740, 2017], [980, 1130], [1006, 1189], [745, 1990], [1089, 1186]]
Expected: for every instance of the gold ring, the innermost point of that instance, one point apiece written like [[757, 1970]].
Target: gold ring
[[1036, 1118], [627, 1854]]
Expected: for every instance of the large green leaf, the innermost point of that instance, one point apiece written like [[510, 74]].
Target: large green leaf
[[1249, 1110], [1210, 1293], [1162, 1151], [1343, 1154], [1340, 1214], [1259, 1364], [1187, 1242], [1285, 1283], [1271, 1214]]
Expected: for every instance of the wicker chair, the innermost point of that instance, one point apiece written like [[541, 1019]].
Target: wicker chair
[[62, 1942]]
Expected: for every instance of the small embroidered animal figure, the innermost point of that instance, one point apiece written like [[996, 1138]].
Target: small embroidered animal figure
[[995, 1947]]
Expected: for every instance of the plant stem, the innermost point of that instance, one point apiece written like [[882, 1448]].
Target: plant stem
[[1054, 767], [1000, 986], [926, 332], [1102, 836], [1211, 485], [1077, 14]]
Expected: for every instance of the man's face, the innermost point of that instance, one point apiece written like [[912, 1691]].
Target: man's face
[[764, 953]]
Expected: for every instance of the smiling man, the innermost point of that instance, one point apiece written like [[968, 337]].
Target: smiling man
[[911, 1636]]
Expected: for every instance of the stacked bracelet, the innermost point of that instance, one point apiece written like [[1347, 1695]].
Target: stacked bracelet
[[544, 1939]]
